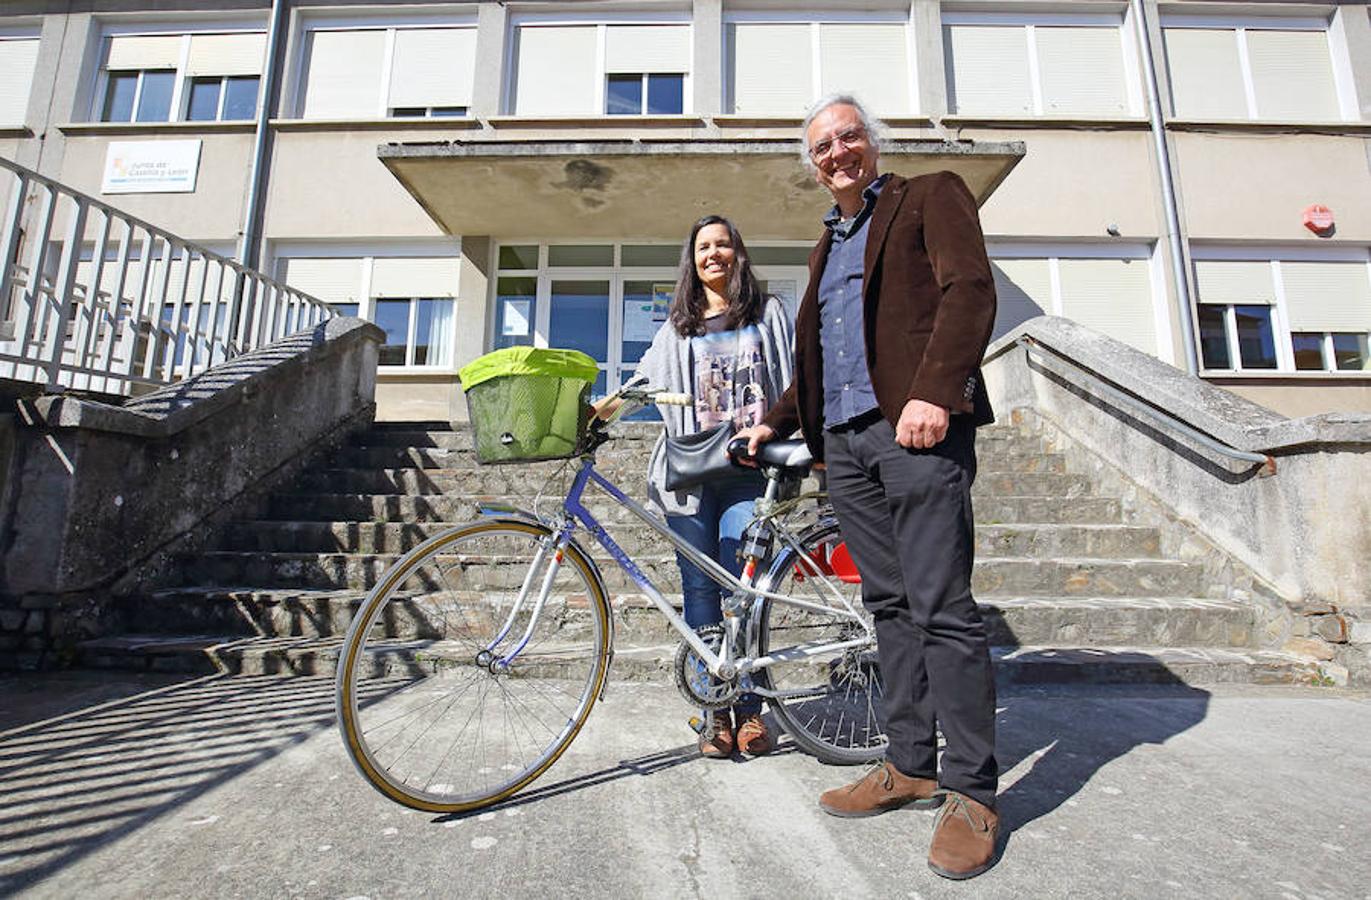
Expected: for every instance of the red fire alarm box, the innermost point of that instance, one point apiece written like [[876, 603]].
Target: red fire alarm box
[[1318, 218]]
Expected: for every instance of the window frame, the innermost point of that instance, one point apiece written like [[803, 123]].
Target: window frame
[[1282, 333], [179, 107], [816, 19], [601, 21], [1123, 21], [1332, 28]]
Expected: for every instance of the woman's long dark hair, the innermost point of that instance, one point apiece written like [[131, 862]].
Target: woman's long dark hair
[[745, 300]]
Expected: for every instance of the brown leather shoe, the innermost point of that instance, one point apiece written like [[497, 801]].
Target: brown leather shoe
[[964, 838], [881, 789], [752, 735], [716, 741]]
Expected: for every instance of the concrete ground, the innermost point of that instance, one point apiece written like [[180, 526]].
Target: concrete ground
[[127, 786]]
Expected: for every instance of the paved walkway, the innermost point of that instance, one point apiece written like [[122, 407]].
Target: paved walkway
[[120, 786]]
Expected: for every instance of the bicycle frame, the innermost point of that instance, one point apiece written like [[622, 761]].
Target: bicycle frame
[[722, 665]]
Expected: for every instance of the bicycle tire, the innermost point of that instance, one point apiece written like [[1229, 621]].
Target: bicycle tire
[[414, 696], [834, 711]]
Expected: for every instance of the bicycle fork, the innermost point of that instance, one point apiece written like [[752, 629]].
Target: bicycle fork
[[553, 545]]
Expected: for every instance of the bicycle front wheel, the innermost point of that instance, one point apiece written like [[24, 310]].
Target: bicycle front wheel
[[829, 701], [432, 711]]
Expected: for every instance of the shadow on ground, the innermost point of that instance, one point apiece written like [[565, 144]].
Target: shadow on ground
[[73, 781]]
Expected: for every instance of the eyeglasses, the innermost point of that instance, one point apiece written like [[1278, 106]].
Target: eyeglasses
[[849, 138]]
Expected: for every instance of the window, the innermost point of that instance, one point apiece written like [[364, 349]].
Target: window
[[1266, 70], [1048, 66], [1283, 315], [182, 77], [429, 75], [780, 68], [17, 59], [594, 69], [1112, 293], [410, 298]]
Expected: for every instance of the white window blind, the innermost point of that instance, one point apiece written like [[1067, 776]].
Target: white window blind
[[17, 58], [988, 70], [647, 48], [557, 71], [144, 52], [871, 61], [1327, 296], [1292, 75], [1112, 296], [414, 277], [226, 54], [1206, 73], [773, 68], [332, 280], [344, 74], [1234, 281], [433, 67], [1082, 71], [1016, 279]]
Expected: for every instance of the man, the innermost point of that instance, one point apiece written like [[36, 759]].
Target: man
[[888, 344]]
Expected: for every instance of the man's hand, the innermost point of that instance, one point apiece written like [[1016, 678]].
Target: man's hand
[[922, 425], [756, 436]]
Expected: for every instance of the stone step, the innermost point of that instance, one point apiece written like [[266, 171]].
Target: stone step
[[1028, 665], [992, 575], [379, 508], [1108, 541], [514, 481], [1010, 621]]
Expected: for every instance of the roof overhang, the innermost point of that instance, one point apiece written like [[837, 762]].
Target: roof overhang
[[620, 189]]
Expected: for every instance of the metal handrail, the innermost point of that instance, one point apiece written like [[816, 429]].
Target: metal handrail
[[1133, 404], [97, 299]]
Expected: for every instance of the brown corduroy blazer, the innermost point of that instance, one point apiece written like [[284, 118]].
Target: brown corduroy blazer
[[929, 306]]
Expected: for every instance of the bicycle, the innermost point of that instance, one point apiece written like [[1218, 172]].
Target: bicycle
[[476, 659]]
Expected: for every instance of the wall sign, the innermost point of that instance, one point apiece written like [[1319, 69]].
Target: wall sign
[[151, 167]]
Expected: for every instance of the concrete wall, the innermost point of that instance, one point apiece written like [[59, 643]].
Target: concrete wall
[[1305, 529]]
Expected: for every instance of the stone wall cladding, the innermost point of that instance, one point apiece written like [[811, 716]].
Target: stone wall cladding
[[109, 495]]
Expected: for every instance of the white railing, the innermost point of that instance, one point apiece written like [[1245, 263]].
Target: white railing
[[92, 298]]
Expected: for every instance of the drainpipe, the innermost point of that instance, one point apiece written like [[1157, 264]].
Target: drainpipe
[[249, 245], [1173, 219]]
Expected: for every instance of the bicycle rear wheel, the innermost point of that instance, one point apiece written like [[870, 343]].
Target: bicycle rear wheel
[[829, 703], [428, 715]]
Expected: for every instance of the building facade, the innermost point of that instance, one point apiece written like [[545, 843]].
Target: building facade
[[475, 175]]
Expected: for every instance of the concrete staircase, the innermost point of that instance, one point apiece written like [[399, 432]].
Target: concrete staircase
[[1073, 586]]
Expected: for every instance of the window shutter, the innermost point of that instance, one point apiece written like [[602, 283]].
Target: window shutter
[[1327, 296], [152, 52], [344, 74], [226, 54], [773, 69], [17, 59], [422, 277], [557, 71], [1206, 76], [871, 61], [1112, 296], [1238, 282], [988, 70], [647, 48], [433, 67], [1081, 70], [1292, 75], [1017, 279], [331, 280]]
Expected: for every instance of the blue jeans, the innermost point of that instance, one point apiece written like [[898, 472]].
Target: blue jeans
[[716, 530]]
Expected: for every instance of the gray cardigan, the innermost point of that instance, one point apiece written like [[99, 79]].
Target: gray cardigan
[[666, 366]]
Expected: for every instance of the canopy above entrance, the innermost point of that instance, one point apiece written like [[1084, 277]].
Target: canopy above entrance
[[651, 190]]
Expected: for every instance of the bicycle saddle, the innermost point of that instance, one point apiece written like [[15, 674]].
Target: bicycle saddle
[[790, 454]]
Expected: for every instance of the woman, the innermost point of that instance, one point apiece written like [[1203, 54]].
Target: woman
[[719, 327]]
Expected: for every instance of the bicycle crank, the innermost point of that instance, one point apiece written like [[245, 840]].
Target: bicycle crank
[[692, 674]]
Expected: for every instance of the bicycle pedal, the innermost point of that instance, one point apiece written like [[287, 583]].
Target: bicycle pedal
[[697, 724]]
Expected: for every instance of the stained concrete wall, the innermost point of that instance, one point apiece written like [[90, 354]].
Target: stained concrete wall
[[1304, 528]]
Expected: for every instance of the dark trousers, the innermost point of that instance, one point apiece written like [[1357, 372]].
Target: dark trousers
[[906, 517]]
